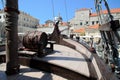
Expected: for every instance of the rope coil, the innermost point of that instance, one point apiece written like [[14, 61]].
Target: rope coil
[[8, 9]]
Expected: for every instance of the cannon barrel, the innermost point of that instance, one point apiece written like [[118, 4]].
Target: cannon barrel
[[35, 40]]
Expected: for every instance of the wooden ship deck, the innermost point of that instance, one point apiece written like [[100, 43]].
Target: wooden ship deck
[[65, 63], [53, 57]]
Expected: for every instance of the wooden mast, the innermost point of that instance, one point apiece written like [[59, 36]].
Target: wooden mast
[[12, 63]]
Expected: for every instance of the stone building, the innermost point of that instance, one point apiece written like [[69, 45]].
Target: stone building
[[85, 24], [25, 22], [84, 18], [81, 18], [48, 27]]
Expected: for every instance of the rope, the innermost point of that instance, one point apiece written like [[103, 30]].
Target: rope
[[98, 7], [109, 36], [3, 3], [53, 8], [8, 9], [66, 10]]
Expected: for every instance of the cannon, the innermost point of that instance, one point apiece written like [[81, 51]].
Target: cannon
[[35, 42]]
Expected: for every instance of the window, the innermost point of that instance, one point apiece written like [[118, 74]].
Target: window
[[92, 22], [75, 24], [86, 22], [97, 22], [81, 23], [24, 19]]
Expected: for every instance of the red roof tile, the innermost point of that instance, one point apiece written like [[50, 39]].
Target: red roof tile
[[81, 30], [94, 26], [82, 9], [116, 10], [112, 10], [93, 14], [64, 24]]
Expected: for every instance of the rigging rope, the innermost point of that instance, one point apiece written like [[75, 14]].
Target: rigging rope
[[53, 8], [109, 13], [102, 18], [66, 11], [3, 3], [108, 35]]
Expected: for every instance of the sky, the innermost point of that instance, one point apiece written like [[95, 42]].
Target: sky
[[47, 9]]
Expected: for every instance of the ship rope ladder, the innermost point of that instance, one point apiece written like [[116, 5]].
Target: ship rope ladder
[[109, 29]]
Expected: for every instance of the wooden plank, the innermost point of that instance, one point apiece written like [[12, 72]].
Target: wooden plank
[[105, 27], [27, 53], [48, 67]]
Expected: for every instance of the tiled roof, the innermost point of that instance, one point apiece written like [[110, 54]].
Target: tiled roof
[[81, 30], [94, 26], [61, 24], [93, 14], [116, 10], [112, 10], [64, 24], [45, 25], [82, 9]]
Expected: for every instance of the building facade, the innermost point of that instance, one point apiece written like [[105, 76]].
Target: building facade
[[49, 25], [84, 17], [25, 23], [24, 20]]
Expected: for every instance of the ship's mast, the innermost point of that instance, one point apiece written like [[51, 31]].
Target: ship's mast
[[11, 11]]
